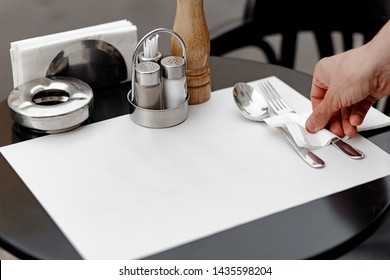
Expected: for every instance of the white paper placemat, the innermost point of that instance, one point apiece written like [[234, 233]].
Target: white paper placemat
[[121, 191]]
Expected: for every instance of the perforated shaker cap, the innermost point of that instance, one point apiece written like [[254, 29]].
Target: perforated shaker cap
[[173, 67], [148, 73]]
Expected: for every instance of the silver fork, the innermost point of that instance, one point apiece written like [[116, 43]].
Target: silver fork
[[280, 107]]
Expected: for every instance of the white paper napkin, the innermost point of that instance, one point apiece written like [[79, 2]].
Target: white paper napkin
[[31, 58], [295, 123]]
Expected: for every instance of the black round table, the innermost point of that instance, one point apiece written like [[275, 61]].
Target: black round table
[[308, 231]]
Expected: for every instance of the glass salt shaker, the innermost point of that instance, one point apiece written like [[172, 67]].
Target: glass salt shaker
[[173, 72]]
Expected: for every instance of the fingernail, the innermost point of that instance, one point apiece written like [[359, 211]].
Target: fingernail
[[310, 127]]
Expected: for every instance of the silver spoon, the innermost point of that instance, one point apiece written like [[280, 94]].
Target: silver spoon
[[254, 107]]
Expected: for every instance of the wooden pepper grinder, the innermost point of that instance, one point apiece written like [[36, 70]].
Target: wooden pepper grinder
[[190, 23]]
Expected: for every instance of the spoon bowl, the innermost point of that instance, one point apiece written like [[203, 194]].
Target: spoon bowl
[[251, 103]]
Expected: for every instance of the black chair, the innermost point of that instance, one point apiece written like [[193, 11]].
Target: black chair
[[289, 18]]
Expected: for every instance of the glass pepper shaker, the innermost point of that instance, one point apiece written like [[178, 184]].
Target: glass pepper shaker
[[148, 89]]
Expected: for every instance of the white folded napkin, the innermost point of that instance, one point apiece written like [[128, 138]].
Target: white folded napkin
[[295, 122], [31, 58]]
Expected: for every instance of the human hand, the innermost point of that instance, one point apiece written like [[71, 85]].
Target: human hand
[[346, 85]]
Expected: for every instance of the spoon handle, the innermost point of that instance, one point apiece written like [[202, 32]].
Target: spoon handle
[[308, 156]]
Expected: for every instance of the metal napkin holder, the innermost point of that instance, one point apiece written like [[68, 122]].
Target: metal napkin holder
[[156, 118]]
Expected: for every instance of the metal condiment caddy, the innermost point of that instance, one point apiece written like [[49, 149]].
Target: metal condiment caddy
[[150, 103]]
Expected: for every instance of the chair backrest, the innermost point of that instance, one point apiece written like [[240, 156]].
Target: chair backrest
[[289, 18]]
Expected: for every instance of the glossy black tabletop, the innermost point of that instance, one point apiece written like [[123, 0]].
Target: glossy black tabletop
[[322, 229]]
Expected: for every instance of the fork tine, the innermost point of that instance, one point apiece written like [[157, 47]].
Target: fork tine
[[276, 95], [270, 96]]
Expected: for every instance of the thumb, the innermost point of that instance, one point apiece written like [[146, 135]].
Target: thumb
[[319, 118]]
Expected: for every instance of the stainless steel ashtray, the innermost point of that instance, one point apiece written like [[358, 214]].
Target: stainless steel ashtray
[[51, 105]]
